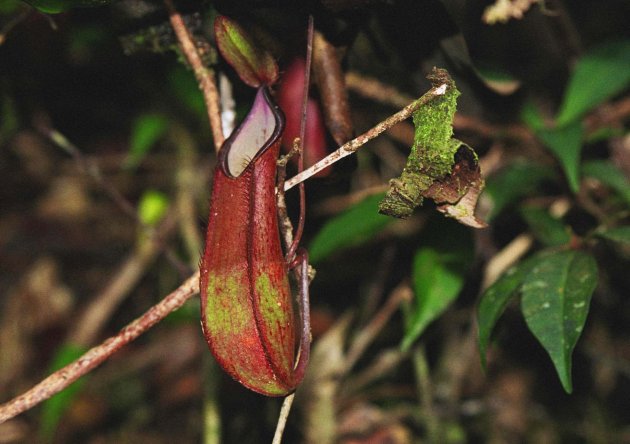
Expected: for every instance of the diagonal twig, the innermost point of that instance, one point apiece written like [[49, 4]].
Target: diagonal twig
[[205, 76], [356, 143], [62, 378]]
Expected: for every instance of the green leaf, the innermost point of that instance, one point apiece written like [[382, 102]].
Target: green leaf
[[618, 234], [547, 229], [435, 286], [599, 75], [556, 295], [566, 144], [513, 182], [147, 130], [185, 90], [608, 174], [439, 268], [57, 6], [496, 298], [9, 6], [356, 225], [152, 207], [55, 407]]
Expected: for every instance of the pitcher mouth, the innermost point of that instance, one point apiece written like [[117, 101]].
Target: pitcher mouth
[[260, 129]]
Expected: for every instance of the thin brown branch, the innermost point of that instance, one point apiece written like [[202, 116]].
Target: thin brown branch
[[425, 390], [205, 76], [286, 226], [91, 169], [358, 142], [294, 240], [374, 89], [380, 92], [188, 180], [127, 276], [307, 80], [371, 330], [606, 115], [97, 355]]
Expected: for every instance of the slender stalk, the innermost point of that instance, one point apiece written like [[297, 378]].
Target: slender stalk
[[131, 270], [291, 254], [205, 76], [307, 80], [425, 394], [92, 169], [356, 143], [23, 12], [62, 378], [282, 419], [368, 333]]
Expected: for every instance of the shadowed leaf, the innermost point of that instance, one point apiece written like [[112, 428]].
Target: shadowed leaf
[[547, 229], [556, 295], [352, 227], [620, 235], [146, 131], [600, 74], [438, 273], [54, 408], [435, 286], [496, 298], [513, 182], [608, 174], [57, 6], [566, 144]]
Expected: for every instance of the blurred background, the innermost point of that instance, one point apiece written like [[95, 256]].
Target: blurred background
[[106, 159]]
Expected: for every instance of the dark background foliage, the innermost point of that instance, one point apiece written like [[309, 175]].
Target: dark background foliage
[[138, 115]]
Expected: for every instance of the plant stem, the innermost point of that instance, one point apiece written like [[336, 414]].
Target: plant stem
[[204, 76], [425, 394], [62, 378], [367, 334], [282, 419], [358, 142], [307, 80]]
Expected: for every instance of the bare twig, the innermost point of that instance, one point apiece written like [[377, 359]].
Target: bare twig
[[307, 79], [425, 394], [376, 90], [91, 169], [386, 94], [205, 76], [97, 355], [371, 330], [123, 281], [377, 285], [282, 419], [384, 363], [292, 241], [22, 14], [358, 142], [188, 179], [133, 268], [507, 257]]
